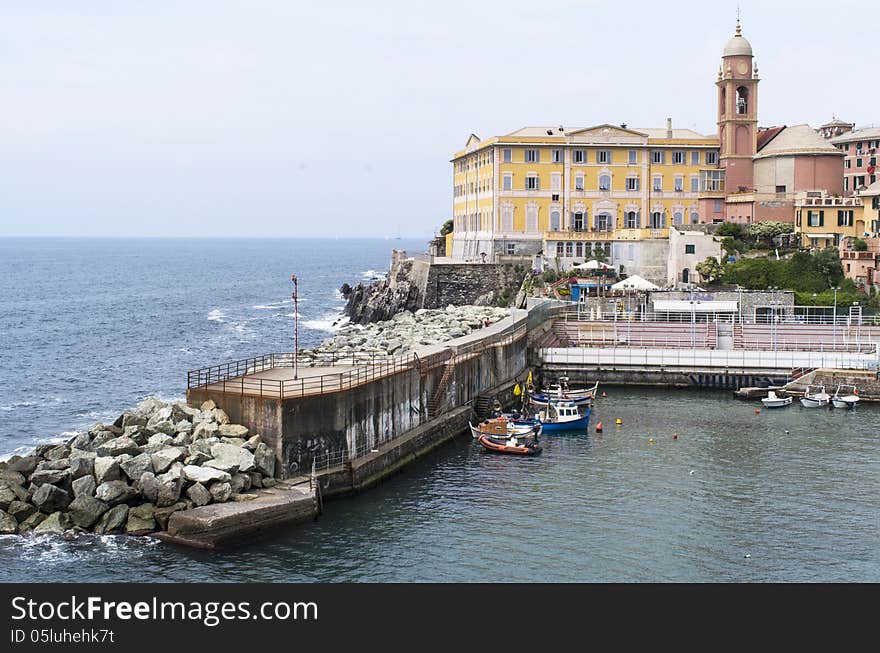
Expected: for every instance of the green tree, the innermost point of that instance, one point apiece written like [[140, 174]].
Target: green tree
[[731, 229], [859, 245], [765, 232], [446, 228], [709, 270]]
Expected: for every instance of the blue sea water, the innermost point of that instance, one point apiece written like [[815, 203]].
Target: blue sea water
[[90, 327]]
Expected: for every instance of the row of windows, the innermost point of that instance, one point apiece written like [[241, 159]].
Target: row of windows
[[817, 218], [581, 156], [579, 221], [482, 186], [474, 161], [871, 162], [584, 249], [861, 145], [533, 182], [858, 181]]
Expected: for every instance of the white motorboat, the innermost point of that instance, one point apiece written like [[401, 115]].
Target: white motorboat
[[815, 397], [503, 427], [846, 396], [772, 400]]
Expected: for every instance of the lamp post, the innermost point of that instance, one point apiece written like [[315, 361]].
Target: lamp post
[[814, 308], [739, 291], [295, 297], [834, 327]]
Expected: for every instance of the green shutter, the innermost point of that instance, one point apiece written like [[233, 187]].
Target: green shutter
[[821, 218]]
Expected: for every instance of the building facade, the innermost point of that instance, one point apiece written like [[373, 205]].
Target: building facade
[[860, 151]]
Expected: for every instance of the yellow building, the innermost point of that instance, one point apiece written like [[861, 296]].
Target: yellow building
[[568, 192], [822, 220]]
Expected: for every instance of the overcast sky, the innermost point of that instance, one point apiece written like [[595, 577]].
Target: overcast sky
[[286, 118]]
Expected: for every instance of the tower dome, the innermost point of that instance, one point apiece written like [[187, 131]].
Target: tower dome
[[738, 45]]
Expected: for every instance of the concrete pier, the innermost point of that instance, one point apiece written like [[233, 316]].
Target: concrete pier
[[253, 512]]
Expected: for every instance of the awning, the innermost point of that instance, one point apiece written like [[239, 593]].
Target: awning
[[819, 235], [684, 306]]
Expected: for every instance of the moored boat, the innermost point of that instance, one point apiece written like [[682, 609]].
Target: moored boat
[[513, 445], [563, 416], [815, 397], [503, 427], [846, 396], [772, 400]]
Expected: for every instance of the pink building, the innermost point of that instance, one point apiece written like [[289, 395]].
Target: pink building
[[860, 150]]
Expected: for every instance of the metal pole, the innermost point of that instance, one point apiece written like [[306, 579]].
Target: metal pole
[[295, 297], [835, 318]]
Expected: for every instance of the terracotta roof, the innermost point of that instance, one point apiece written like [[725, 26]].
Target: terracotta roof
[[767, 135]]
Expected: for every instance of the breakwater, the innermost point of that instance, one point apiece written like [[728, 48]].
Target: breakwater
[[136, 475]]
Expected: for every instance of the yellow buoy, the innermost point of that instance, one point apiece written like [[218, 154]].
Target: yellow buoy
[[619, 421], [651, 440]]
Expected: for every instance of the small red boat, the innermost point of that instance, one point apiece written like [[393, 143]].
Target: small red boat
[[509, 445]]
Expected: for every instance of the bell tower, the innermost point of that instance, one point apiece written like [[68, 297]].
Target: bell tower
[[738, 113]]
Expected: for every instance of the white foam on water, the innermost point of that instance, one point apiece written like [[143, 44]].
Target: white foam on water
[[331, 322], [17, 404], [288, 314], [216, 315]]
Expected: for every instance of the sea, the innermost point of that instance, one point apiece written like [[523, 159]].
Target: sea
[[691, 486]]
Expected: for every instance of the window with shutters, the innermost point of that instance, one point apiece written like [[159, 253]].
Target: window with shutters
[[695, 158], [678, 217], [556, 156], [633, 156], [507, 183], [711, 158], [507, 155], [658, 183], [577, 221], [533, 156], [658, 220], [507, 218], [603, 156], [604, 182], [632, 183], [579, 182], [569, 250], [844, 218], [631, 220], [578, 156], [678, 158], [532, 219], [679, 184], [532, 182], [560, 249], [816, 218]]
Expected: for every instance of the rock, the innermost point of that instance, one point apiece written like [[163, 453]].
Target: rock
[[118, 446], [204, 430], [235, 442], [148, 486], [56, 523], [115, 492], [24, 465], [84, 487], [229, 458], [31, 522], [160, 439], [183, 426], [163, 514], [49, 477], [220, 492], [252, 442], [58, 463], [101, 438], [112, 521], [202, 446], [162, 459], [131, 419], [137, 434], [21, 510], [80, 467], [196, 459], [163, 426], [256, 479], [8, 524], [268, 481], [82, 453], [243, 497], [240, 483], [148, 406], [106, 469], [49, 498], [221, 417], [204, 474], [198, 494], [138, 465], [81, 441], [264, 460], [182, 439], [170, 485], [141, 519], [86, 510], [58, 452], [208, 405], [12, 478], [7, 496]]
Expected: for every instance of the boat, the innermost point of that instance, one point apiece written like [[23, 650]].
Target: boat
[[503, 427], [541, 400], [563, 416], [846, 396], [772, 400], [815, 397], [512, 445], [563, 390]]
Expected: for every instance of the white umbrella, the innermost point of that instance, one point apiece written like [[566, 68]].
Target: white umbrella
[[636, 282]]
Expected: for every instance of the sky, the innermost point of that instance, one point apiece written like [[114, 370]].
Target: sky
[[265, 118]]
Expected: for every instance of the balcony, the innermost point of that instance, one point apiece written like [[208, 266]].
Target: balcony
[[615, 234]]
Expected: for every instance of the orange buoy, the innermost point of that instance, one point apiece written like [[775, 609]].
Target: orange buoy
[[599, 427], [757, 411], [603, 394]]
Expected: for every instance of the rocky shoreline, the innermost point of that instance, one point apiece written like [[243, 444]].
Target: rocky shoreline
[[404, 332], [130, 476]]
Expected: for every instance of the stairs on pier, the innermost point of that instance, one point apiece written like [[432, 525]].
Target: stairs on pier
[[437, 400]]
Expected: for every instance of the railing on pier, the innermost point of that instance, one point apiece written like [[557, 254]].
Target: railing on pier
[[237, 377]]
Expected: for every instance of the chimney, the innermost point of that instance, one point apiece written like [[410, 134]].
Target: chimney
[[669, 128]]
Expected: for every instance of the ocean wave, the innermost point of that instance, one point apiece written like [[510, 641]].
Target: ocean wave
[[330, 322], [288, 314], [216, 315], [372, 274], [17, 404]]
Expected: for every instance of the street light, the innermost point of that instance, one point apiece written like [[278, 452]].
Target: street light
[[295, 297], [835, 316]]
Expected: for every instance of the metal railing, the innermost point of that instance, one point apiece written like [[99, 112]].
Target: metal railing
[[237, 377]]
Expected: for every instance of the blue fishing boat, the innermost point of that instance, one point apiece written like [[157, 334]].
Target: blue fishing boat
[[558, 417]]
